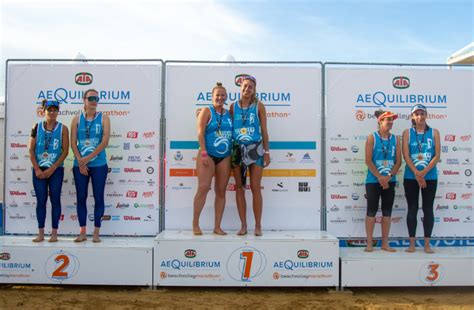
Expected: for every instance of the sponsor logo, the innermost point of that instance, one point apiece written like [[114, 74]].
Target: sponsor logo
[[355, 196], [462, 149], [451, 196], [354, 149], [122, 205], [401, 82], [306, 159], [280, 188], [466, 196], [149, 159], [83, 78], [144, 205], [442, 207], [360, 115], [450, 172], [134, 159], [304, 187], [17, 193], [302, 254], [131, 218], [5, 256], [126, 146], [116, 158], [450, 138], [113, 170], [334, 160], [178, 156], [468, 172], [190, 253], [334, 208], [148, 194], [338, 221], [18, 145], [145, 146], [181, 186], [450, 219], [338, 149], [358, 220], [114, 194], [444, 149], [338, 196], [465, 138], [132, 194], [338, 173], [150, 170], [132, 134], [358, 184], [462, 207], [339, 137], [466, 161], [14, 157], [239, 79], [468, 184], [452, 161], [115, 135], [131, 170], [148, 134]]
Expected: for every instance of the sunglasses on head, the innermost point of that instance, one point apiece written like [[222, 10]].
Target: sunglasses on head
[[251, 78], [93, 98], [51, 103]]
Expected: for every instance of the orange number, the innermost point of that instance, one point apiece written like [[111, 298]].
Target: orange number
[[434, 274], [247, 257], [59, 273]]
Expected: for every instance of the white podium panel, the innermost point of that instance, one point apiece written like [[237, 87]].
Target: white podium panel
[[278, 258], [446, 267], [114, 261]]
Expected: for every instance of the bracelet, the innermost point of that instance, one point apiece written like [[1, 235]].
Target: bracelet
[[204, 154], [266, 152]]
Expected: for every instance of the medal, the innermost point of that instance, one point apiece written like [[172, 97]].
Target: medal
[[87, 142], [385, 163], [45, 155], [420, 156], [243, 131]]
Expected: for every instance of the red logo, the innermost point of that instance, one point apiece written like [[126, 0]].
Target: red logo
[[18, 145], [73, 217], [303, 253], [132, 134], [131, 218], [276, 276], [338, 149], [466, 138], [148, 194], [83, 78], [401, 82], [451, 196], [450, 219], [163, 275], [17, 193], [131, 170], [5, 256], [239, 79], [450, 138], [337, 196], [132, 194], [466, 196], [360, 115], [190, 253], [148, 134], [450, 172]]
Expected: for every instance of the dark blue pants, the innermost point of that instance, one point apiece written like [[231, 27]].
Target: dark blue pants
[[98, 175], [428, 194], [54, 183]]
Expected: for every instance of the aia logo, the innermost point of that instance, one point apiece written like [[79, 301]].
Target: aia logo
[[190, 253], [450, 138], [360, 115], [132, 134], [451, 196], [401, 82], [132, 194], [303, 254], [239, 79], [5, 256], [83, 78]]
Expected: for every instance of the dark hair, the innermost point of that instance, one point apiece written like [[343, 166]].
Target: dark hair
[[413, 124], [254, 81], [43, 103], [87, 91], [218, 85]]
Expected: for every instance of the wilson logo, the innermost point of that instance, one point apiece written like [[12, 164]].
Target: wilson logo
[[401, 82], [190, 253], [83, 78], [303, 254]]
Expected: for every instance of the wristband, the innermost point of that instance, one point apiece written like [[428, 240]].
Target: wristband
[[266, 152]]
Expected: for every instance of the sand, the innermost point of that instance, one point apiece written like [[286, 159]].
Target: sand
[[101, 297]]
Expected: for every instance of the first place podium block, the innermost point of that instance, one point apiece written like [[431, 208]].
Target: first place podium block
[[278, 258]]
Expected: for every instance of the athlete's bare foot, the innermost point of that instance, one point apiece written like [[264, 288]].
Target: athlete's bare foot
[[53, 238], [388, 249], [96, 239], [429, 250], [38, 239], [369, 249], [410, 249], [220, 232], [81, 238], [242, 231], [197, 231], [258, 232]]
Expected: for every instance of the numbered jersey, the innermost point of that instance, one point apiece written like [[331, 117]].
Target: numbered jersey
[[219, 134], [48, 146], [383, 156], [89, 136], [422, 149], [246, 124]]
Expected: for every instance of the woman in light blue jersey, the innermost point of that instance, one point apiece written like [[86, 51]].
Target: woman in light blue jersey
[[90, 133], [383, 157], [421, 151], [213, 160], [251, 150], [48, 147]]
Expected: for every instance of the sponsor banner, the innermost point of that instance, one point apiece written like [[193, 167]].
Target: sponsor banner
[[447, 267], [130, 95], [405, 243], [75, 265], [246, 262], [291, 185], [353, 95]]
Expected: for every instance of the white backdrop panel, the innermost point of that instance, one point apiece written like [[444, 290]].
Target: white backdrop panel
[[130, 94], [353, 95], [291, 184]]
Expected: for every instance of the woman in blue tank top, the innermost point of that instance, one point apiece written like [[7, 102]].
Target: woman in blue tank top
[[213, 160], [90, 133], [48, 147], [251, 150], [421, 151], [383, 157]]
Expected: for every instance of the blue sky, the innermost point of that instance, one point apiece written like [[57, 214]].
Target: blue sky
[[406, 31]]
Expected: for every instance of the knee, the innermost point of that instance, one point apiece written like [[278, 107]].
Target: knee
[[255, 188], [203, 189]]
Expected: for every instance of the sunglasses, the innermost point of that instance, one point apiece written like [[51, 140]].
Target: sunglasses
[[51, 103], [251, 78], [93, 98]]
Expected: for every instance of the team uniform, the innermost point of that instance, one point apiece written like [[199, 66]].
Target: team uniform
[[384, 158], [218, 135], [89, 136], [422, 150], [48, 150]]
